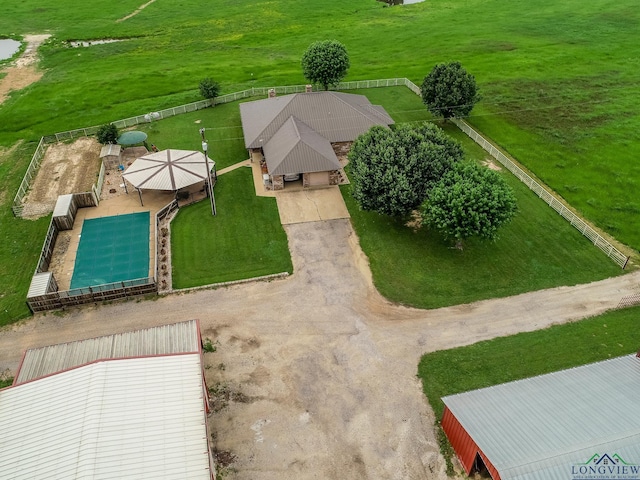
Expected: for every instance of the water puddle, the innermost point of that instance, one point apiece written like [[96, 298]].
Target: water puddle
[[400, 2], [8, 48], [88, 43]]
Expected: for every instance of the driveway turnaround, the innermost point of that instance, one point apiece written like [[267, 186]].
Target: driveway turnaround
[[315, 376]]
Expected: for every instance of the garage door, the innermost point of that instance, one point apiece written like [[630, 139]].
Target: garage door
[[318, 179]]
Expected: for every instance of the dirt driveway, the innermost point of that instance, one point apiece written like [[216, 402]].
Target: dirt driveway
[[317, 373]]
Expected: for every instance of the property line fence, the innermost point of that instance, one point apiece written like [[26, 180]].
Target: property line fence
[[586, 230], [47, 248], [179, 110], [547, 196], [31, 172]]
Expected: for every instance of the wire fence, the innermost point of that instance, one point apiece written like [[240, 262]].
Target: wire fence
[[549, 198]]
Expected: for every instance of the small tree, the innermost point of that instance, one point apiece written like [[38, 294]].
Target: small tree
[[107, 133], [469, 200], [449, 91], [392, 170], [325, 62], [209, 88]]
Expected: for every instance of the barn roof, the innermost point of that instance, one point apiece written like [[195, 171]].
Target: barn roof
[[182, 337], [140, 418], [540, 428], [338, 117], [296, 148]]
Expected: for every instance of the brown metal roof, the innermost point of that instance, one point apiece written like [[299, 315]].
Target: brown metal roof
[[183, 337], [338, 117], [297, 148]]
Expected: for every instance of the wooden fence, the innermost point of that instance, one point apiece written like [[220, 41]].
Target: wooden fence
[[161, 215], [551, 200], [100, 293]]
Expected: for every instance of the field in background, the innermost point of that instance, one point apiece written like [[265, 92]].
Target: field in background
[[558, 81]]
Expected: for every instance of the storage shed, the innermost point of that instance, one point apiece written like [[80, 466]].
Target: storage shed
[[582, 423], [126, 406], [111, 155], [64, 213]]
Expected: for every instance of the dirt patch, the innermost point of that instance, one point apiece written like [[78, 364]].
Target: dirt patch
[[415, 222], [491, 164], [23, 71], [66, 168]]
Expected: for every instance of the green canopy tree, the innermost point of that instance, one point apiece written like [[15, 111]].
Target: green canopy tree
[[469, 200], [449, 91], [325, 62], [107, 133], [391, 171], [209, 88]]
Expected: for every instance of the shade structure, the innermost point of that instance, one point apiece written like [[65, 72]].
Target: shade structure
[[132, 137], [168, 170]]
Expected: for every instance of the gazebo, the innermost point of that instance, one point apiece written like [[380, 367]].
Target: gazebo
[[168, 170]]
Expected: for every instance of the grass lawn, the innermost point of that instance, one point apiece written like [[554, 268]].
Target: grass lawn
[[538, 249], [524, 355], [244, 240]]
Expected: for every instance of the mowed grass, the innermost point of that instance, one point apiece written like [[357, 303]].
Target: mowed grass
[[505, 359], [537, 249], [20, 240], [244, 240]]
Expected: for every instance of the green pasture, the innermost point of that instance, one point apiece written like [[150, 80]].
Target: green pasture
[[244, 240], [558, 79]]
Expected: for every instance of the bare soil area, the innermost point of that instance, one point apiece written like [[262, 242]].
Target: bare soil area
[[23, 72], [66, 168]]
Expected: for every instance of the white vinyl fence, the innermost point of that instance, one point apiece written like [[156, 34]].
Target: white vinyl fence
[[600, 242], [541, 191]]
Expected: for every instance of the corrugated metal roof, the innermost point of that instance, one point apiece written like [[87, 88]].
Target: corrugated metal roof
[[39, 284], [537, 428], [141, 418], [297, 148], [110, 149], [338, 117], [180, 337]]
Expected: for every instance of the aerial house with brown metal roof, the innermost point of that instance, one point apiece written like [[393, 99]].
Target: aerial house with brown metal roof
[[292, 134]]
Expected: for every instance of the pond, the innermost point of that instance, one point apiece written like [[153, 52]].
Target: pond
[[8, 48], [400, 2]]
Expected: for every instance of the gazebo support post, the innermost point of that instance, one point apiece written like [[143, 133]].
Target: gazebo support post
[[140, 194]]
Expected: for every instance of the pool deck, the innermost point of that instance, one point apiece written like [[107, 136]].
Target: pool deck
[[120, 205]]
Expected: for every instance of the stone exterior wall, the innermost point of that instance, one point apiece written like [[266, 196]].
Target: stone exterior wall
[[277, 182]]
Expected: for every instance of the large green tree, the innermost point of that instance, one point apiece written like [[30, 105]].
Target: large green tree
[[469, 200], [449, 90], [391, 171], [325, 62]]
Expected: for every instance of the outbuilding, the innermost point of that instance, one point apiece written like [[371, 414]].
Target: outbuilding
[[126, 406], [577, 424]]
